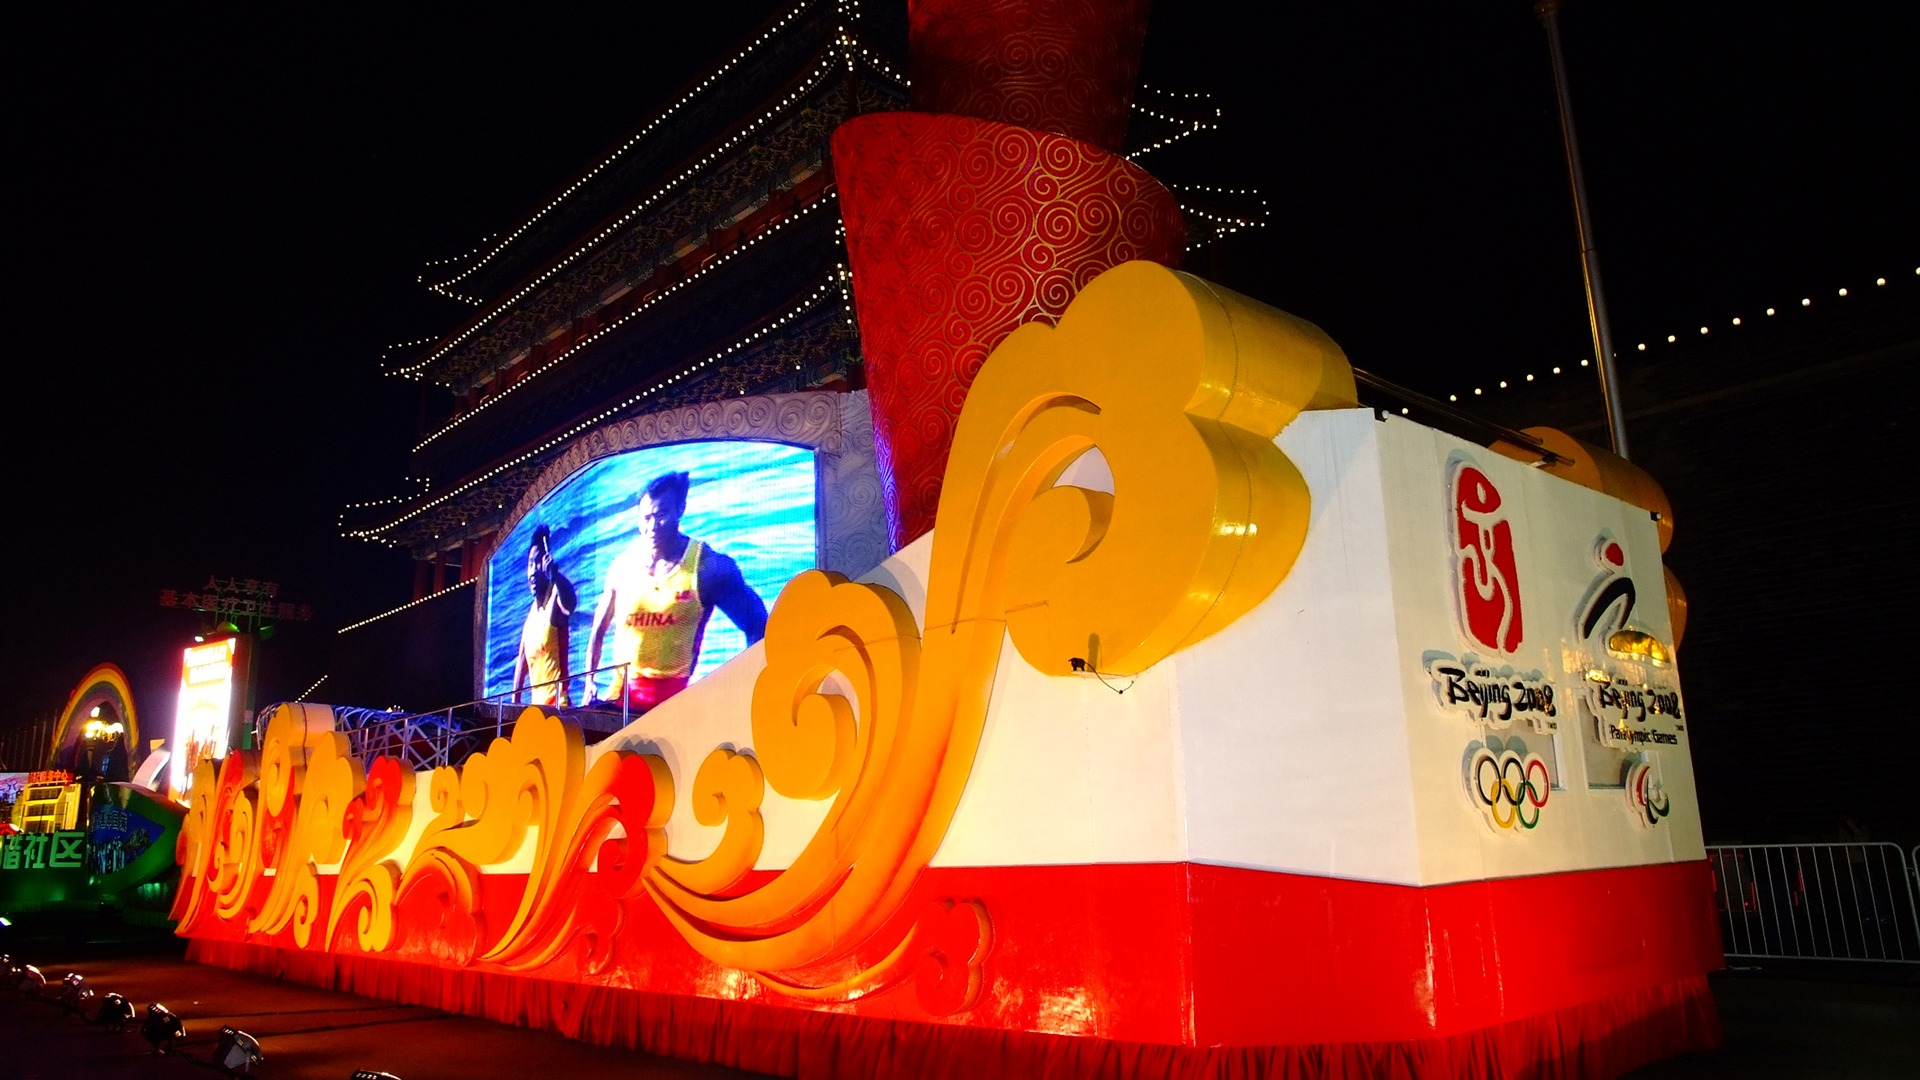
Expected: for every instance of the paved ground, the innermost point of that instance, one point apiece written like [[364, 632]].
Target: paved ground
[[307, 1034], [1781, 1022], [1810, 1020]]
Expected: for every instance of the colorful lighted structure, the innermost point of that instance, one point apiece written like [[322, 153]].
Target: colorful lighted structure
[[1202, 722], [85, 838]]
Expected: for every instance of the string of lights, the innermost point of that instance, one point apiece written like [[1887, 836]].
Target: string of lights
[[395, 611], [1223, 224], [308, 692], [615, 324], [667, 114], [462, 257], [1805, 302], [414, 344], [1187, 126], [813, 81], [838, 281], [426, 484]]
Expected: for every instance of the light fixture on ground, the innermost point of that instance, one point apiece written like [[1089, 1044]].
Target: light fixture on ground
[[75, 994], [237, 1052], [116, 1012], [369, 1074], [162, 1028], [31, 981]]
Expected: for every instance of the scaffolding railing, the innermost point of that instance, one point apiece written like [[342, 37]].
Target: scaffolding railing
[[444, 736], [1817, 902]]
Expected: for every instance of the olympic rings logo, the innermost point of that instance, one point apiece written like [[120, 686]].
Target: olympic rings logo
[[1646, 796], [1513, 789]]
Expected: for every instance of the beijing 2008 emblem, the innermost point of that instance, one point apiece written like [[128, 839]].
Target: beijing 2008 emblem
[[1487, 581], [1505, 780]]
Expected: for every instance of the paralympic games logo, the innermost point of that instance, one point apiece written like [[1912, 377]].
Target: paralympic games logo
[[1512, 788], [1646, 796]]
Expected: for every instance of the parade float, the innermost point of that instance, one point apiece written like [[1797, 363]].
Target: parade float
[[1200, 721]]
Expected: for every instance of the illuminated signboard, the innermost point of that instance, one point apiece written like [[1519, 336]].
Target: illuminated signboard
[[205, 713], [598, 569]]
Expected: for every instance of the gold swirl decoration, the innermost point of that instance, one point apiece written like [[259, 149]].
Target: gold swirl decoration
[[307, 779], [233, 859], [537, 779], [375, 823], [193, 849], [1182, 388]]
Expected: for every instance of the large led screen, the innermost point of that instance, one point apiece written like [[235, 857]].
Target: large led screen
[[602, 553]]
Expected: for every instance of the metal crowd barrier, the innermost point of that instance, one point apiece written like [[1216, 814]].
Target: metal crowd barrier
[[1817, 902]]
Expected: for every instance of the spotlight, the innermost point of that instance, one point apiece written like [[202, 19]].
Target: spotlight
[[162, 1028], [238, 1051], [115, 1014], [369, 1074], [31, 981], [74, 992]]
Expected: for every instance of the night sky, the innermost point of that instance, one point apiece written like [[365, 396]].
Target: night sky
[[221, 216]]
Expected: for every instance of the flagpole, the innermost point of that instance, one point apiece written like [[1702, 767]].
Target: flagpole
[[1549, 12]]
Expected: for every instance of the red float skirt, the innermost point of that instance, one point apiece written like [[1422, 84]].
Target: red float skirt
[[1164, 970]]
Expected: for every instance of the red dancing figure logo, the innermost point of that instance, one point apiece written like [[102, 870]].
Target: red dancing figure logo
[[1483, 546]]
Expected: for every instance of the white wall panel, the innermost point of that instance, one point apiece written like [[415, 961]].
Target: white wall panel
[[1306, 737]]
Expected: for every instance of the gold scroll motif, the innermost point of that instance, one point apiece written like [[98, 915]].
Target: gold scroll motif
[[307, 779], [374, 825], [193, 850], [537, 779], [1182, 388], [1179, 385]]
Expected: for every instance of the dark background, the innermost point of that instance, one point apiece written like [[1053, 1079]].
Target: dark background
[[220, 215]]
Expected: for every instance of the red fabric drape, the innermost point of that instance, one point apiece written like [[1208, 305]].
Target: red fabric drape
[[1601, 1038]]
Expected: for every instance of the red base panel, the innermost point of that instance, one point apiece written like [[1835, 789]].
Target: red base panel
[[1601, 1038], [1185, 964]]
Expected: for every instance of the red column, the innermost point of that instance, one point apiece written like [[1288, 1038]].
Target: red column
[[966, 222]]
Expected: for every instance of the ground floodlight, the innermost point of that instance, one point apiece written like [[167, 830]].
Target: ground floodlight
[[238, 1051], [116, 1012], [74, 991], [31, 981], [369, 1074], [162, 1028]]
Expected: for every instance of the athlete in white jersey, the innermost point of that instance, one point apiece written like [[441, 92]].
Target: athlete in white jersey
[[659, 594]]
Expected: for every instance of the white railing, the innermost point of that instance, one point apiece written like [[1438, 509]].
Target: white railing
[[1816, 902]]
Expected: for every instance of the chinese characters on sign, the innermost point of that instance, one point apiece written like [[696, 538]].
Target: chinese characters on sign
[[44, 851], [237, 597]]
